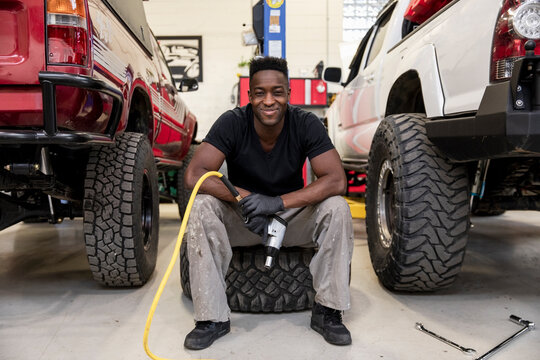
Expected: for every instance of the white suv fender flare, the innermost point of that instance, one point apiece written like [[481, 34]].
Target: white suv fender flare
[[424, 62]]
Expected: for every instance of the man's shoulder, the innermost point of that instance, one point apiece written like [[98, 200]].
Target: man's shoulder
[[236, 118], [309, 130], [231, 124], [299, 114], [303, 120], [236, 113]]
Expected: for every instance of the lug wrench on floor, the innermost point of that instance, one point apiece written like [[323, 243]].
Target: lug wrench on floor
[[467, 351], [527, 325]]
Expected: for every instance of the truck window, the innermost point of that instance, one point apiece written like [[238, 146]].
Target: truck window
[[419, 12], [357, 59], [133, 16], [377, 43], [164, 65]]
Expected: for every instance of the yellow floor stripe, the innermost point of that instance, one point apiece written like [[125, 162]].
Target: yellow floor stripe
[[358, 207]]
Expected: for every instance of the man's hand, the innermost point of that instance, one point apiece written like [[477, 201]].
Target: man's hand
[[257, 224], [257, 204]]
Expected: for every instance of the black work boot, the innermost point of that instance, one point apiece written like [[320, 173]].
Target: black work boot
[[329, 324], [205, 333]]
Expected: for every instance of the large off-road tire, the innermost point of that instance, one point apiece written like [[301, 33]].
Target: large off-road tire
[[121, 211], [417, 209], [288, 286], [182, 194]]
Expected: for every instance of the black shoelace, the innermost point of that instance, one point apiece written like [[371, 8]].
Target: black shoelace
[[333, 316], [203, 324]]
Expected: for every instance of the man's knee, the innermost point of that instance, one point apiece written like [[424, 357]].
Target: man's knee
[[336, 206], [334, 217], [204, 220], [205, 204]]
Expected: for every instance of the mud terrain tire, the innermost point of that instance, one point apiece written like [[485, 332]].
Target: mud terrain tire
[[288, 286], [121, 211], [417, 208]]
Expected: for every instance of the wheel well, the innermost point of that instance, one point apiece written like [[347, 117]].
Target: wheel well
[[406, 95], [140, 118]]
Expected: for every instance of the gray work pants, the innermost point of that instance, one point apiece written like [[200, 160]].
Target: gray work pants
[[214, 226]]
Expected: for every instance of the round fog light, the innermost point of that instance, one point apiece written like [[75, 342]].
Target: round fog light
[[526, 21]]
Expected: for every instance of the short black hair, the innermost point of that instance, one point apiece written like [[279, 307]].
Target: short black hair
[[268, 63]]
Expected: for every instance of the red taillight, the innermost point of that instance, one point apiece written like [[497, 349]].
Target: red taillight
[[67, 32], [519, 21], [67, 45]]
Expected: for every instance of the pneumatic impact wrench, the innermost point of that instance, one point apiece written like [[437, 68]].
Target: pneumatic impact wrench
[[275, 229], [274, 237]]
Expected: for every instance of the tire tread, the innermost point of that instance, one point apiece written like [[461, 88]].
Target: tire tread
[[288, 286], [433, 214], [108, 212]]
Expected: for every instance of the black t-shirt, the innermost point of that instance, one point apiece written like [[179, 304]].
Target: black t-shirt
[[279, 171]]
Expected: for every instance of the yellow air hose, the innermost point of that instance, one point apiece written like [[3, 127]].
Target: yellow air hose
[[176, 252]]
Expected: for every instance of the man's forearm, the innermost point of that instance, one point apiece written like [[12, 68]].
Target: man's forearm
[[215, 187], [314, 193]]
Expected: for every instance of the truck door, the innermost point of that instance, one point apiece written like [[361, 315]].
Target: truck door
[[348, 96], [173, 109], [362, 113]]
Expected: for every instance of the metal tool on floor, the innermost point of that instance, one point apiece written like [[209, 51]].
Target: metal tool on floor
[[467, 351], [527, 325]]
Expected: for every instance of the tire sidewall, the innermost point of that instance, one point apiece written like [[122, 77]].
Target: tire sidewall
[[382, 149], [184, 269], [146, 256]]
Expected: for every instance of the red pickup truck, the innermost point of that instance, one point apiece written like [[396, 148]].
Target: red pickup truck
[[91, 125]]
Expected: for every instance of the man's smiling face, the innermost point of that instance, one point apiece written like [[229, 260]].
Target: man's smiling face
[[269, 94]]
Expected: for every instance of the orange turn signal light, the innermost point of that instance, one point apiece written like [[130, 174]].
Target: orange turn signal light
[[71, 7]]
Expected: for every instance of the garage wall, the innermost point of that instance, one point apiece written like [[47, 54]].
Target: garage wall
[[314, 32]]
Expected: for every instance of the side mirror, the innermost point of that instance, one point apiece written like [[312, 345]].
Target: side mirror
[[332, 74], [188, 84]]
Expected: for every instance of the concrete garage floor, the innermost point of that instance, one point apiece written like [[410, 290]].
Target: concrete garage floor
[[50, 308]]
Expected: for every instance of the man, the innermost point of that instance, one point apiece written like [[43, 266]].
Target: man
[[265, 144]]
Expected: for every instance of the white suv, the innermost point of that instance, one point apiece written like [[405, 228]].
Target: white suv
[[441, 108]]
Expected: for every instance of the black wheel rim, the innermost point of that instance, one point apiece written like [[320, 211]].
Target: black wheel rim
[[386, 204], [147, 211]]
